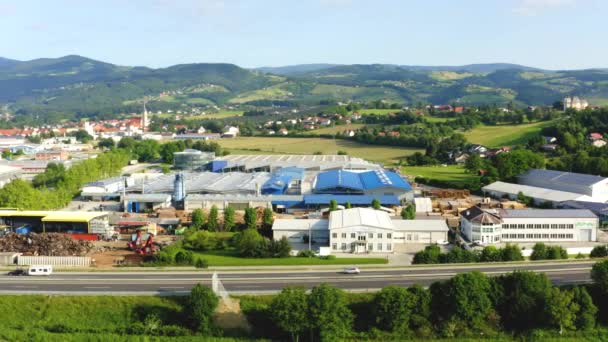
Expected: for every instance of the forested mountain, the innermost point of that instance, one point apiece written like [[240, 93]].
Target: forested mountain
[[77, 86]]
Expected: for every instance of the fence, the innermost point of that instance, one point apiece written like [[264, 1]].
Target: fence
[[54, 260]]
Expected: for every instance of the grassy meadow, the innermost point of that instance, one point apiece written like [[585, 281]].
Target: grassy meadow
[[451, 173], [282, 145], [504, 135]]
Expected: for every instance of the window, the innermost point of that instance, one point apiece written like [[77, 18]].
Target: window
[[505, 236], [409, 237], [545, 226], [415, 237], [379, 235], [545, 236], [537, 226], [344, 235], [343, 247], [379, 246], [530, 226], [569, 236], [334, 235], [389, 247], [371, 235], [496, 238], [389, 235], [352, 235], [334, 246], [370, 246], [529, 236], [361, 238], [553, 226]]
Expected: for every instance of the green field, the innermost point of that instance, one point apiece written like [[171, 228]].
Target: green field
[[280, 145], [377, 111], [504, 135], [450, 173], [230, 258]]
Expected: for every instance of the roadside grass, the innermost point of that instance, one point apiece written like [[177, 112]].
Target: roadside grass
[[230, 258], [505, 135], [452, 173], [282, 145]]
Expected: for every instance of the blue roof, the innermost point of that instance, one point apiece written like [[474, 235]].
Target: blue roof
[[382, 178], [276, 184], [338, 179], [352, 199], [292, 171], [360, 180]]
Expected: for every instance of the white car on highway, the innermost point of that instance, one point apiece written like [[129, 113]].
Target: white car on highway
[[351, 270]]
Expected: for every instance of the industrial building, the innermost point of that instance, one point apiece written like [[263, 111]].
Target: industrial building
[[361, 230], [595, 188], [371, 183], [73, 222], [192, 159], [106, 188], [269, 163], [491, 226], [140, 203], [539, 195], [8, 174]]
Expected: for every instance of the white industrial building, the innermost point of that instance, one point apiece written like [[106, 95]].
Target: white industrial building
[[362, 230], [269, 163], [594, 187], [528, 225], [538, 195]]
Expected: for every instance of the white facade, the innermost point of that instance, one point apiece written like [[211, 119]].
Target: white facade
[[529, 225]]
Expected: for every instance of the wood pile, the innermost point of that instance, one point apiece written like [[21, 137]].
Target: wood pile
[[47, 244]]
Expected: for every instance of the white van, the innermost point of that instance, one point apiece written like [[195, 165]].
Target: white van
[[40, 270]]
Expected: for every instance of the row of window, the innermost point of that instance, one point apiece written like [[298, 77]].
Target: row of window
[[362, 237], [370, 247], [538, 226], [537, 236]]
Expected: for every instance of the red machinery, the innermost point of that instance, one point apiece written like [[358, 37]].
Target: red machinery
[[142, 244]]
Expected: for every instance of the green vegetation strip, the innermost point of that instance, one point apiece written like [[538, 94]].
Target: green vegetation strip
[[230, 258]]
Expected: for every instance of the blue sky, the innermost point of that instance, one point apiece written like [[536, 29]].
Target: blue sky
[[553, 34]]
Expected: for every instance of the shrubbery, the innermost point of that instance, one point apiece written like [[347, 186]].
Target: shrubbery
[[433, 255], [540, 251]]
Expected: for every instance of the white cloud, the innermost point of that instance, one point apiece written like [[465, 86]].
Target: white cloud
[[535, 7]]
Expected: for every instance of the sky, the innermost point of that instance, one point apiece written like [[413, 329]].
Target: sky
[[550, 34]]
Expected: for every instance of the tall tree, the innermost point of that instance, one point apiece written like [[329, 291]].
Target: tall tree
[[561, 309], [330, 317], [201, 305], [376, 204], [229, 223], [198, 218], [267, 218], [212, 224], [251, 218], [392, 307], [289, 311], [585, 319]]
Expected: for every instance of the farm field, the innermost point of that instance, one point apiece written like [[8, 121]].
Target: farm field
[[281, 145], [451, 173], [377, 111], [504, 135]]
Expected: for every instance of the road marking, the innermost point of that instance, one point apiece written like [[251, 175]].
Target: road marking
[[96, 287], [171, 287], [26, 287]]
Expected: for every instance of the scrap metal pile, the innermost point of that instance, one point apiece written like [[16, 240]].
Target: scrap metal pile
[[48, 244]]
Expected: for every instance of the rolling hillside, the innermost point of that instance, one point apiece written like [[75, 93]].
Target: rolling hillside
[[75, 85]]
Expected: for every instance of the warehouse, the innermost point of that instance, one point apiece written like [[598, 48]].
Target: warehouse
[[269, 163], [594, 187], [539, 195], [364, 230], [74, 222], [8, 174], [238, 202], [371, 183], [490, 226], [106, 188], [141, 203], [301, 232]]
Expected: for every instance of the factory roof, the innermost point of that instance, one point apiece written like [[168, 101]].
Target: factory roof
[[106, 181], [560, 177], [55, 216], [352, 199], [300, 224], [595, 207], [359, 217], [307, 162], [359, 181], [532, 191], [482, 216], [550, 213], [206, 182]]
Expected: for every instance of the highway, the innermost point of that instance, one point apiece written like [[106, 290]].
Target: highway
[[257, 282]]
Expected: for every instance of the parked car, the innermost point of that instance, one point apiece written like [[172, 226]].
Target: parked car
[[351, 270], [17, 272], [442, 242], [40, 270]]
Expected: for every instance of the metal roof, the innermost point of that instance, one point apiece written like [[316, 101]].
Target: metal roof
[[382, 179], [360, 217], [307, 162], [150, 198], [560, 180], [55, 216], [106, 181], [532, 191], [549, 213], [595, 207], [338, 179], [300, 224], [352, 199]]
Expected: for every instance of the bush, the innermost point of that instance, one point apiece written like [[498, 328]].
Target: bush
[[305, 253], [184, 257], [328, 257], [201, 263], [599, 252]]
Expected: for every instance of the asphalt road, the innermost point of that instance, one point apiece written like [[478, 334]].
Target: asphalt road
[[244, 282]]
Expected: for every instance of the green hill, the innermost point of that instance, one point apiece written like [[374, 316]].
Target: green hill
[[79, 86]]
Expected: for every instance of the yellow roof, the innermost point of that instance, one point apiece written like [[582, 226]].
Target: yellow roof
[[54, 216]]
